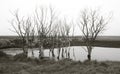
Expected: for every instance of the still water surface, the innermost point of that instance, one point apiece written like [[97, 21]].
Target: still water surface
[[78, 53]]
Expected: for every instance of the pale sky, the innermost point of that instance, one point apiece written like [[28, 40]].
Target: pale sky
[[68, 8]]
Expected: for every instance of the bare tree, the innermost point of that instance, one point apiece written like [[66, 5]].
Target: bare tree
[[25, 30], [19, 28], [66, 40], [44, 19], [62, 32], [30, 34], [91, 25]]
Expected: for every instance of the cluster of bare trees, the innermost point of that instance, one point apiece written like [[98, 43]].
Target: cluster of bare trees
[[44, 20], [46, 29]]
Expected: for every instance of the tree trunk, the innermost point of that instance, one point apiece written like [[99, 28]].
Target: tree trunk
[[89, 52], [41, 53], [53, 55], [89, 57], [59, 49]]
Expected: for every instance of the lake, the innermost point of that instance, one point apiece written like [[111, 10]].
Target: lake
[[77, 53]]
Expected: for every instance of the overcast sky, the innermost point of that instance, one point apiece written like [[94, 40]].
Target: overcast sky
[[68, 8]]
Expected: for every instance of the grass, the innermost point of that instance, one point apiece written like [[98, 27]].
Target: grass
[[15, 42], [60, 67], [65, 66]]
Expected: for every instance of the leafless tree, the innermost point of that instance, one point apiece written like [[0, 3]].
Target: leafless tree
[[91, 24], [19, 28], [44, 19], [62, 30], [66, 39], [30, 34], [23, 27]]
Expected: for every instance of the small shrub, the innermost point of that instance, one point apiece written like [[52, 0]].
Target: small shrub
[[20, 57], [17, 42], [4, 57], [2, 54], [104, 64], [86, 62]]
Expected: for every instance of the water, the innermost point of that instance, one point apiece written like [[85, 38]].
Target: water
[[98, 53]]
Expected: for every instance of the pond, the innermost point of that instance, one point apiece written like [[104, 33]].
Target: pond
[[77, 53]]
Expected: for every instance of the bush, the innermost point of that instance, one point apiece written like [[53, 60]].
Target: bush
[[4, 43], [104, 64], [17, 42], [2, 54], [20, 57], [4, 57]]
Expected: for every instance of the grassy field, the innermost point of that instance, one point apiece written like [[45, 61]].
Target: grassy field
[[109, 38], [101, 41], [66, 66]]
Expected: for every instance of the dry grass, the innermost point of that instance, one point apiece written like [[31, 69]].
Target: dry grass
[[60, 67], [46, 66]]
